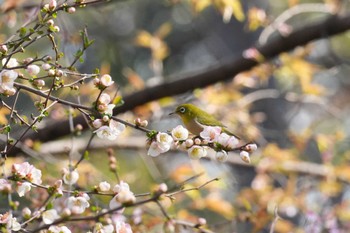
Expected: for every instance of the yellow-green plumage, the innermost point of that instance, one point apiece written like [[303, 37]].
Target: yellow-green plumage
[[195, 119]]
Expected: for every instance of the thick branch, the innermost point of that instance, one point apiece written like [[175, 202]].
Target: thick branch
[[226, 70]]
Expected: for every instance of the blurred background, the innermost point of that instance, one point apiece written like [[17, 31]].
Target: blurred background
[[295, 107]]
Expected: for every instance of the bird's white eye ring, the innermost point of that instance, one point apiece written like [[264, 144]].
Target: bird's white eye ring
[[182, 110]]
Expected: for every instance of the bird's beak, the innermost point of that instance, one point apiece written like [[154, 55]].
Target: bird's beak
[[171, 113]]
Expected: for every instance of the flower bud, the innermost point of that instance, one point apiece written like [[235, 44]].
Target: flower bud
[[144, 123], [3, 49], [46, 66], [27, 60], [66, 212], [163, 188], [26, 213], [50, 22], [96, 81], [221, 156], [105, 118], [137, 121], [245, 156], [33, 70], [97, 123], [59, 73], [52, 4], [189, 142], [103, 186], [251, 147], [56, 28], [58, 184], [71, 10], [197, 141], [39, 83], [202, 221], [51, 72]]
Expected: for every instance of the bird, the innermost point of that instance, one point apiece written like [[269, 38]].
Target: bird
[[195, 119]]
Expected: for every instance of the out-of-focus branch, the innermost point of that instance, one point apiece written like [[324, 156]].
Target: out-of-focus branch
[[226, 70]]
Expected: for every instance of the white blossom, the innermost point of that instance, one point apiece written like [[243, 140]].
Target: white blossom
[[180, 133], [78, 204], [49, 216], [161, 145], [123, 195], [110, 132], [104, 186], [10, 222], [209, 133], [106, 80], [22, 188], [59, 229], [11, 63], [197, 152], [104, 99], [227, 141], [7, 80], [70, 177], [27, 171], [122, 227], [99, 228]]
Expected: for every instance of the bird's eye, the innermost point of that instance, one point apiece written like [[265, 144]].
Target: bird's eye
[[182, 110]]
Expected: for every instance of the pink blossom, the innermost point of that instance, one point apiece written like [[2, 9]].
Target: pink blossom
[[209, 133]]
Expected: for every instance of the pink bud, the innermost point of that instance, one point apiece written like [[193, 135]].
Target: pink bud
[[71, 10]]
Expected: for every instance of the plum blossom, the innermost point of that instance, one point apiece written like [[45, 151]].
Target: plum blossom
[[122, 227], [197, 152], [11, 63], [106, 80], [221, 156], [250, 147], [70, 177], [110, 132], [123, 195], [244, 156], [33, 70], [27, 171], [49, 216], [209, 133], [227, 141], [99, 228], [5, 186], [59, 229], [78, 204], [161, 145], [7, 80], [104, 186], [180, 133], [22, 188], [11, 224]]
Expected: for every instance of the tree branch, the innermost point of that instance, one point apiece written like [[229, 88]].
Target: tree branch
[[226, 70]]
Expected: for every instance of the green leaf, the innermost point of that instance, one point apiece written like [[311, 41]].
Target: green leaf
[[22, 31]]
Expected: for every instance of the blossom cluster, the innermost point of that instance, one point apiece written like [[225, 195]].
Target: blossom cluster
[[75, 203], [211, 137], [106, 128]]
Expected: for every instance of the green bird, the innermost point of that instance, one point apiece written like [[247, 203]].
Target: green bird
[[195, 119]]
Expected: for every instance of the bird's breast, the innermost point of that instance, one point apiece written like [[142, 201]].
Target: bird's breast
[[193, 126]]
